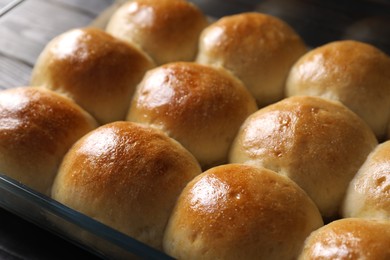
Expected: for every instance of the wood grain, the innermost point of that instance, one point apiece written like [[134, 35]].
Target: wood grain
[[26, 29]]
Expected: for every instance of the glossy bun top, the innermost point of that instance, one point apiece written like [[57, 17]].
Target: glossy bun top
[[37, 127], [96, 70], [237, 211], [168, 30]]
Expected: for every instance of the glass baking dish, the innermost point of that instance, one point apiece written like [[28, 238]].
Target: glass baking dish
[[87, 233], [318, 22]]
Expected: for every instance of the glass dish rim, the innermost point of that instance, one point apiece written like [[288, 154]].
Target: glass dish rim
[[77, 219]]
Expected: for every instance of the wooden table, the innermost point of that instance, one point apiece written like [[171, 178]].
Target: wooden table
[[19, 239], [25, 30]]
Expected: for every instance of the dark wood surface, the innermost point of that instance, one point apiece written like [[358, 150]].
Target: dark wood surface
[[26, 29], [19, 239]]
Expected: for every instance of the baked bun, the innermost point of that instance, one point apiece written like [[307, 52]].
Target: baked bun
[[126, 176], [318, 143], [368, 193], [168, 30], [258, 48], [352, 72], [200, 106], [38, 126], [93, 68], [238, 211], [349, 238]]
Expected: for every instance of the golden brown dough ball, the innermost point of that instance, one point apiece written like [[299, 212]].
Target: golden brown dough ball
[[258, 48], [352, 72], [318, 143], [349, 238], [126, 176], [238, 211], [168, 30], [368, 195], [97, 71], [200, 106], [37, 127]]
